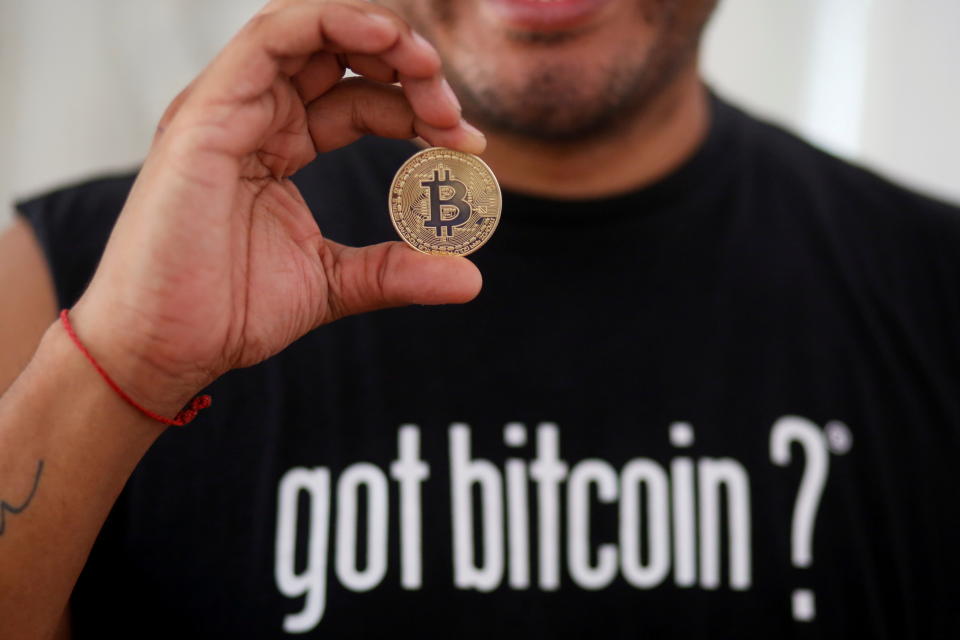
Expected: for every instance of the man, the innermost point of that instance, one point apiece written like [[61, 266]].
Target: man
[[709, 388]]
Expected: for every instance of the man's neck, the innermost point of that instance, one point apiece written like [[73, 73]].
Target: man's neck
[[650, 146]]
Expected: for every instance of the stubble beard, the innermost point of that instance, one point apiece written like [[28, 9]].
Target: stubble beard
[[563, 103], [556, 104]]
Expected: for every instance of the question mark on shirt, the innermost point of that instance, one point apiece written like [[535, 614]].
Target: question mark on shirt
[[785, 432]]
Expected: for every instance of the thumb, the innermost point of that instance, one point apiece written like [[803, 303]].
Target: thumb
[[392, 274]]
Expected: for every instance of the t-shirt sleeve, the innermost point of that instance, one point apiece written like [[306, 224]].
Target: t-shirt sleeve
[[72, 225]]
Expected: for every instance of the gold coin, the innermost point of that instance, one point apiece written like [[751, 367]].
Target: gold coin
[[445, 202]]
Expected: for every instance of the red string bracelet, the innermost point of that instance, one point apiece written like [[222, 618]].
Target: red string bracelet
[[184, 417]]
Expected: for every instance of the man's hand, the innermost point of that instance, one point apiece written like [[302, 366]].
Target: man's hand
[[216, 262]]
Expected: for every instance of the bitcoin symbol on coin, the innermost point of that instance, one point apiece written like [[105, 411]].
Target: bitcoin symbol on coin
[[445, 202], [438, 202]]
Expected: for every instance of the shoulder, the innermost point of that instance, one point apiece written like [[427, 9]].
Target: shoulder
[[837, 212], [854, 196], [849, 228], [72, 224], [88, 208]]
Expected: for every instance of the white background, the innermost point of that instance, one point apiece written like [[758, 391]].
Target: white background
[[83, 82]]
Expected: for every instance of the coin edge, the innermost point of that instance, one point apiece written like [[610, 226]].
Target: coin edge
[[410, 160]]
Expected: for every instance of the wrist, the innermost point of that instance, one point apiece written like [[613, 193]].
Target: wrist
[[129, 372], [71, 400]]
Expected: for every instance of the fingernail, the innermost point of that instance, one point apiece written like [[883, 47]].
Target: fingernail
[[473, 130], [420, 40], [476, 136], [382, 19], [447, 89]]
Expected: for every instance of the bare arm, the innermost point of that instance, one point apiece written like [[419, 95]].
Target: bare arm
[[30, 308], [67, 446], [29, 304], [215, 263]]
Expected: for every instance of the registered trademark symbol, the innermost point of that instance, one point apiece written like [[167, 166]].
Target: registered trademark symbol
[[839, 437]]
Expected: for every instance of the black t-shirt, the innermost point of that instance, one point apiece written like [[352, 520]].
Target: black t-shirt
[[723, 406]]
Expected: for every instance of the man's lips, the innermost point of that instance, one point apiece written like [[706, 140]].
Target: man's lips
[[546, 15]]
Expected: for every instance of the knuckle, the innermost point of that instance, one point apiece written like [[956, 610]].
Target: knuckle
[[174, 108], [258, 23], [277, 5], [385, 12], [386, 268]]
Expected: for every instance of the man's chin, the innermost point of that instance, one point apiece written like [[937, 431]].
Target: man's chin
[[551, 118], [562, 101], [559, 71]]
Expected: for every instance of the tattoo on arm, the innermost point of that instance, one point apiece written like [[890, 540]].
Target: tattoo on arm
[[5, 506]]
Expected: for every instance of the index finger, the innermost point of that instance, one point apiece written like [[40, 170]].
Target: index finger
[[250, 63]]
